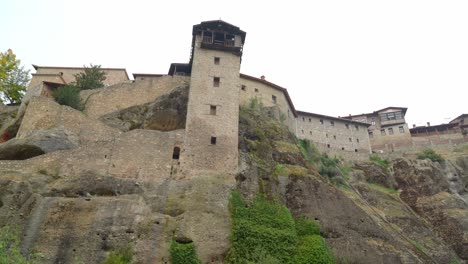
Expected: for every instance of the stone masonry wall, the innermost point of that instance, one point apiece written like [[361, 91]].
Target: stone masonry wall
[[264, 93], [113, 76], [200, 154], [337, 139], [100, 102]]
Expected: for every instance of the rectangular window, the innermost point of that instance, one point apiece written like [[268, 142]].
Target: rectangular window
[[328, 145], [371, 134], [402, 129], [310, 132], [212, 109], [216, 60], [310, 120], [213, 140], [273, 98], [350, 140], [216, 81], [342, 148], [332, 123], [347, 126], [390, 131], [334, 137], [256, 90], [355, 150], [243, 88], [373, 123], [321, 121], [357, 127], [303, 119], [382, 132], [326, 135], [357, 140]]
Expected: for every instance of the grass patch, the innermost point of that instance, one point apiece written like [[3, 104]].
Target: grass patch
[[285, 147], [286, 170], [120, 256], [10, 247], [462, 149], [378, 160], [265, 232], [183, 253], [382, 189], [418, 246], [430, 154]]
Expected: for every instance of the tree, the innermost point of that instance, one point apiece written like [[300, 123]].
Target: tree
[[91, 78], [13, 78]]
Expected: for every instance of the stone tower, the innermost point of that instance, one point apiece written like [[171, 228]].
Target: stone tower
[[212, 127]]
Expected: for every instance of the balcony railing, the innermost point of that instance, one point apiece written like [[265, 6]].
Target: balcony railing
[[224, 43]]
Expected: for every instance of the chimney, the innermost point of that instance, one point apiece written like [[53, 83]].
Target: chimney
[[414, 125], [262, 77], [428, 123]]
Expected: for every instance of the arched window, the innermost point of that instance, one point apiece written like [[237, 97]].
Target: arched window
[[176, 153]]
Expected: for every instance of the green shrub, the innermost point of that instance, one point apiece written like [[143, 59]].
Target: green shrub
[[10, 247], [328, 166], [265, 232], [91, 78], [306, 227], [265, 225], [183, 253], [68, 95], [310, 152], [430, 154], [120, 256], [378, 160], [312, 249]]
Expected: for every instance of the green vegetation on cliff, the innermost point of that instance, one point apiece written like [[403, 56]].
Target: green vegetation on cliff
[[430, 154], [183, 253], [265, 232], [120, 256], [10, 247]]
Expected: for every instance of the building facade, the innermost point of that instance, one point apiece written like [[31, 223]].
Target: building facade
[[387, 129]]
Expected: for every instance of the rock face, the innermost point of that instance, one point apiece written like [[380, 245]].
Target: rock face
[[167, 113], [106, 180], [36, 144]]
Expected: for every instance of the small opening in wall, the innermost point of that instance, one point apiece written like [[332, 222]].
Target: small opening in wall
[[321, 121], [302, 131], [216, 60], [176, 153], [342, 148], [213, 140], [328, 145], [332, 123], [273, 98], [326, 135], [303, 119], [310, 120], [256, 90], [347, 126], [334, 137], [357, 140], [350, 140], [371, 134], [357, 127], [243, 88], [310, 132], [355, 150], [212, 109], [216, 81]]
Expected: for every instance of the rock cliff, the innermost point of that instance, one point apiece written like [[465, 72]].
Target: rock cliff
[[80, 186]]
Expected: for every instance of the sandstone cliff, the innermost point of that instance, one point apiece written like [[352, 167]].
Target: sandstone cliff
[[106, 179]]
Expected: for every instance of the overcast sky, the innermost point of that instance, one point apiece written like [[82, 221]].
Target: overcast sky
[[334, 57]]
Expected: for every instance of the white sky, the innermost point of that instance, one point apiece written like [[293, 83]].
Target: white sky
[[335, 57]]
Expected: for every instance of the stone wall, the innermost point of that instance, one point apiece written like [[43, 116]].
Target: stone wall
[[60, 74], [264, 93], [204, 123], [99, 102], [390, 139], [332, 136]]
